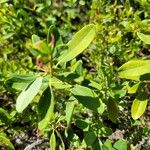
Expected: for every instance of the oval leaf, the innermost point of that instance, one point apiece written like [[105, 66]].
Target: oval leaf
[[27, 95], [86, 97], [113, 110], [139, 106], [143, 37], [79, 42], [120, 145], [134, 69]]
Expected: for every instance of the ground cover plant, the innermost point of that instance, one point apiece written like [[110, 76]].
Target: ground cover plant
[[74, 74]]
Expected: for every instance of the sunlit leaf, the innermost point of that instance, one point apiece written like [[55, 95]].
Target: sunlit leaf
[[5, 143], [112, 109], [134, 69], [79, 43], [133, 89], [139, 105], [28, 94], [58, 84], [144, 37], [120, 145], [69, 111], [53, 141], [42, 47], [35, 39]]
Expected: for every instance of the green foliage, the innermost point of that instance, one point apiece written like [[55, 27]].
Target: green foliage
[[72, 71], [78, 43], [27, 95]]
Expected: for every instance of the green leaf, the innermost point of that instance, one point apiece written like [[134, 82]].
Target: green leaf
[[144, 37], [113, 110], [89, 139], [69, 111], [95, 85], [139, 105], [82, 124], [20, 78], [53, 141], [108, 144], [58, 84], [86, 97], [134, 69], [120, 145], [133, 89], [62, 146], [28, 94], [45, 108], [35, 39], [52, 35], [4, 116], [79, 43], [19, 82], [5, 143], [132, 147], [42, 47]]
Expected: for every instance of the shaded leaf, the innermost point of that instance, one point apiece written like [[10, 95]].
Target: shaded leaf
[[82, 124], [46, 108], [89, 139], [27, 95], [62, 146], [113, 110], [79, 42], [52, 32], [4, 116], [86, 97]]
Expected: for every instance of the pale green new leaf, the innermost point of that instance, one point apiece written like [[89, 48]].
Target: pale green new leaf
[[53, 141], [69, 111], [138, 108], [28, 94], [79, 43], [143, 37], [133, 89], [35, 38], [5, 142], [134, 69]]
